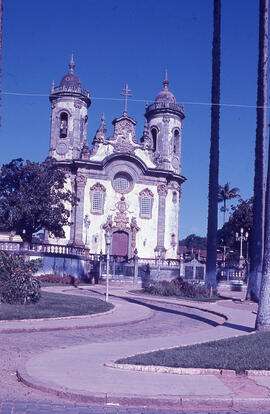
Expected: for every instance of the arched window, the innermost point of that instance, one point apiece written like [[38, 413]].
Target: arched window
[[174, 197], [63, 124], [154, 138], [176, 139], [146, 198], [97, 196]]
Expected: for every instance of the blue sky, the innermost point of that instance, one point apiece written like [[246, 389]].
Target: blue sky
[[119, 41]]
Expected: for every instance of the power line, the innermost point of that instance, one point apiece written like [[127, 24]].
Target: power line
[[146, 101]]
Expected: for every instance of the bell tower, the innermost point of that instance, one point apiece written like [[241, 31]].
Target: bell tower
[[69, 103], [164, 118]]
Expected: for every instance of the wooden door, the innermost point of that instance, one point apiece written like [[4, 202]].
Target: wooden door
[[120, 243]]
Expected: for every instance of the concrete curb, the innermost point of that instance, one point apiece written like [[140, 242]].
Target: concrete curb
[[104, 325], [171, 370], [151, 401], [60, 318], [186, 371], [74, 327]]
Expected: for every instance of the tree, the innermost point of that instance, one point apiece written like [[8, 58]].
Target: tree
[[259, 177], [225, 194], [194, 242], [17, 281], [263, 315], [214, 153], [1, 26], [33, 197], [241, 217]]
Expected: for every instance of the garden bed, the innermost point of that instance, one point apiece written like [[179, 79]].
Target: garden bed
[[247, 352], [52, 305]]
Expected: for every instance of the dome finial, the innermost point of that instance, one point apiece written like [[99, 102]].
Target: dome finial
[[71, 64], [166, 82]]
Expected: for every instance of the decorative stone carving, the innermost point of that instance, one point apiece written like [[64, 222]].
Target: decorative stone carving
[[166, 118], [134, 230], [124, 127], [85, 152], [81, 180], [146, 193], [98, 187], [101, 132], [109, 224], [77, 105], [61, 148], [162, 190], [146, 138], [121, 219], [123, 146], [176, 163]]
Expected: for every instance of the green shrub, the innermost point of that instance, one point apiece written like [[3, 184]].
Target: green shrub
[[17, 283], [178, 287], [65, 280]]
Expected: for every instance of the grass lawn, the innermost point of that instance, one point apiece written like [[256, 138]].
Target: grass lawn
[[213, 299], [240, 354], [53, 305]]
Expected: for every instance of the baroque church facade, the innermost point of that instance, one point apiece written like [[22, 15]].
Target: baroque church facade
[[125, 185]]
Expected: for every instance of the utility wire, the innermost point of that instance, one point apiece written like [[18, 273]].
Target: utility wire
[[145, 100]]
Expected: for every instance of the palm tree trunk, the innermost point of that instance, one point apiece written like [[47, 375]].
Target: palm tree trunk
[[257, 236], [263, 316], [224, 217], [214, 153], [1, 26]]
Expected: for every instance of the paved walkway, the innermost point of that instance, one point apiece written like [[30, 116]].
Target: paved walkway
[[78, 372]]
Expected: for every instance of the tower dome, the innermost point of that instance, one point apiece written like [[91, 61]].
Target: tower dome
[[70, 80], [165, 95], [70, 86]]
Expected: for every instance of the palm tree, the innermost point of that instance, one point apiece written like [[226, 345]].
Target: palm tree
[[263, 315], [214, 153], [225, 194], [1, 25], [257, 236]]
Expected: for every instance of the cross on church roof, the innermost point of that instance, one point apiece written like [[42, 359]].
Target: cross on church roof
[[126, 93]]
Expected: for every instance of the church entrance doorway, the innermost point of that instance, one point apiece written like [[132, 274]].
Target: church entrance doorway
[[120, 243]]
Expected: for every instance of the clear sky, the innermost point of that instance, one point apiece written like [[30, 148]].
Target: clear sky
[[126, 41]]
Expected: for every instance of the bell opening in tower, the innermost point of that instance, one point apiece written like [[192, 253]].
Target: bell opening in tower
[[63, 124], [154, 137]]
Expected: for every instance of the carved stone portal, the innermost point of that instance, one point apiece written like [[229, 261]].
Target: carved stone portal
[[121, 222]]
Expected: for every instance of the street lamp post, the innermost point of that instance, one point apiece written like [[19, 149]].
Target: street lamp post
[[108, 240], [241, 237], [158, 256], [87, 224]]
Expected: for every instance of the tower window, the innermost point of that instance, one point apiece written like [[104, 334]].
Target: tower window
[[176, 142], [154, 137], [63, 124], [174, 197], [146, 198], [97, 195]]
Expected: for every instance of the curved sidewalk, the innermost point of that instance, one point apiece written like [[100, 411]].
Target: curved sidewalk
[[78, 372], [123, 313]]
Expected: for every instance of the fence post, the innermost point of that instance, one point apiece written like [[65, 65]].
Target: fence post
[[86, 269], [114, 265], [181, 266]]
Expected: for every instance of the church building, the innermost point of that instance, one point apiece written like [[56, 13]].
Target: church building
[[128, 185]]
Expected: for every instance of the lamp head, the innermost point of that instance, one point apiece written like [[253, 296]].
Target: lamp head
[[108, 237]]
